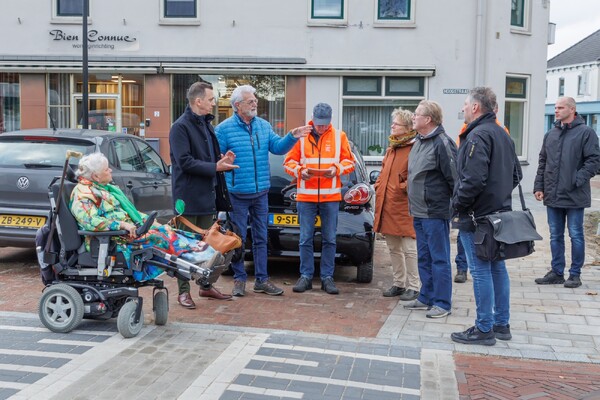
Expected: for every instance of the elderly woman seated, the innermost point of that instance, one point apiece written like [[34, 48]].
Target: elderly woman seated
[[100, 206]]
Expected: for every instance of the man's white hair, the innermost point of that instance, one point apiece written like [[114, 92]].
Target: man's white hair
[[91, 164], [238, 93]]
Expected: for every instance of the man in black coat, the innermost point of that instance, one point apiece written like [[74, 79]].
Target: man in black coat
[[488, 172], [568, 160], [197, 171]]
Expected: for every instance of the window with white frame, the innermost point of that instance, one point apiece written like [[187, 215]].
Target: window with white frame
[[519, 15], [515, 110], [394, 12], [368, 103], [561, 86], [69, 11], [179, 12], [328, 12], [582, 83]]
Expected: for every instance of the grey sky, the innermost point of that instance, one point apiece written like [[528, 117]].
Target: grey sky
[[575, 20]]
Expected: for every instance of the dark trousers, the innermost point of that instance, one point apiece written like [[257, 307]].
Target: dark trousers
[[201, 221]]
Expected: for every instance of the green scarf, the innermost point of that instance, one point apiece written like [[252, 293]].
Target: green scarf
[[401, 141], [127, 206]]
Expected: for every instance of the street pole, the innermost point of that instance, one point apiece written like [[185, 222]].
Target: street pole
[[84, 100]]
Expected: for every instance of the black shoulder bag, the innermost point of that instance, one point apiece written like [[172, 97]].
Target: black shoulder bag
[[506, 234]]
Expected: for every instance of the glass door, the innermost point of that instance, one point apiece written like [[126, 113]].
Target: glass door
[[104, 112]]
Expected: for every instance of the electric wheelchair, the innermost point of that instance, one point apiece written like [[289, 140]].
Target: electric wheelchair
[[99, 284]]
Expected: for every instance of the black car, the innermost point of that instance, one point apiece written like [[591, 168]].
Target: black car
[[355, 236], [29, 159]]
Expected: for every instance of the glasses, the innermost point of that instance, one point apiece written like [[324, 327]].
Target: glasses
[[420, 115], [255, 101], [397, 124]]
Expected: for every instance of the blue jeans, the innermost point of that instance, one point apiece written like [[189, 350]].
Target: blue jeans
[[556, 223], [491, 287], [433, 252], [307, 213], [258, 209], [461, 259]]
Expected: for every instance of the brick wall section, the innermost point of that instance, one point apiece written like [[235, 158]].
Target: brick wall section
[[33, 101]]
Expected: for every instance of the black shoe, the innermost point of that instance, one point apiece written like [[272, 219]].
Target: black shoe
[[502, 332], [474, 336], [461, 277], [551, 278], [394, 291], [302, 285], [573, 282], [409, 295], [328, 285]]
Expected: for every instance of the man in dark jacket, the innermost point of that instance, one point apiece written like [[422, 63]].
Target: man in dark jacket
[[568, 160], [431, 177], [197, 171], [488, 172]]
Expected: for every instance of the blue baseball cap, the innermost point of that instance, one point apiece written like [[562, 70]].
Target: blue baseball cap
[[322, 114]]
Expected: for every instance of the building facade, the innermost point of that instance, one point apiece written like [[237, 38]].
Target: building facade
[[364, 57], [576, 73]]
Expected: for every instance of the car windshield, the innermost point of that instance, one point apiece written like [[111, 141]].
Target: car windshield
[[39, 153]]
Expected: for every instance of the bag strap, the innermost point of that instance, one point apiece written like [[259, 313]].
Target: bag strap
[[186, 222], [516, 169]]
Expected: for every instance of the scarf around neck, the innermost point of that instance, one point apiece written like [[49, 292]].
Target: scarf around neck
[[127, 206], [403, 140]]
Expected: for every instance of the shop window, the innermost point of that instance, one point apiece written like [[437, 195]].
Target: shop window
[[368, 103], [394, 12], [59, 107], [515, 110], [561, 86], [10, 102], [179, 12], [328, 12], [270, 92], [519, 15]]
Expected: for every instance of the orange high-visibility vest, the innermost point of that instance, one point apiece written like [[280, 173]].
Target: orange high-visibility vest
[[332, 149]]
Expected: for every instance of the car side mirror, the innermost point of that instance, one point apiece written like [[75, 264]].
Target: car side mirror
[[373, 176]]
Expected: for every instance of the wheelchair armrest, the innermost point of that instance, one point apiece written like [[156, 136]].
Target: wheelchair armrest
[[103, 233]]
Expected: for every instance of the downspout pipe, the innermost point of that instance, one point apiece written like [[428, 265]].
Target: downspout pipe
[[480, 43]]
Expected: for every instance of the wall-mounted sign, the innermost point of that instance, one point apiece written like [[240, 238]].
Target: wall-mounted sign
[[455, 91], [96, 40]]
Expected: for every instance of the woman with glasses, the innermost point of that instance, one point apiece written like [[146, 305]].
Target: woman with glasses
[[391, 208]]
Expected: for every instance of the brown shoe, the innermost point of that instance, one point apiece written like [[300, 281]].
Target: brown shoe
[[213, 293], [186, 301]]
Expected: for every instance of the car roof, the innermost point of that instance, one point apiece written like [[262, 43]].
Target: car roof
[[66, 133]]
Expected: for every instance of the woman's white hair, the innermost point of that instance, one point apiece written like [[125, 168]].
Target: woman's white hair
[[237, 94], [91, 164]]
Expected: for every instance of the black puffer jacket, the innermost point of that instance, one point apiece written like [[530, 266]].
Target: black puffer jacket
[[487, 171], [568, 160], [194, 153]]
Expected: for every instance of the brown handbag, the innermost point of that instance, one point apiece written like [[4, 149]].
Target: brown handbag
[[219, 239]]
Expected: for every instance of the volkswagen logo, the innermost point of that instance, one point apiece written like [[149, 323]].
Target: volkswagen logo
[[23, 183], [293, 196]]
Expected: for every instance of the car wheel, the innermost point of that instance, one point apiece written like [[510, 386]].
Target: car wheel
[[61, 308], [364, 272], [126, 324]]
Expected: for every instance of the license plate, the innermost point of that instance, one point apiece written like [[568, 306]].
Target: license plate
[[22, 221], [288, 220]]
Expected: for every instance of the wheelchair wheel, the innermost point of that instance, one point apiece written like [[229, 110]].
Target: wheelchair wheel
[[161, 308], [125, 320], [61, 308]]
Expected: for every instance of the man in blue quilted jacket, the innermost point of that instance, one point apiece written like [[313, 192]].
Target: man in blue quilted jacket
[[251, 138]]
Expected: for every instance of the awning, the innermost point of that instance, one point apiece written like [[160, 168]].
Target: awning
[[203, 65]]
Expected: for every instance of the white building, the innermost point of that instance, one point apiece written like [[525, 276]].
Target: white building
[[576, 73], [364, 57]]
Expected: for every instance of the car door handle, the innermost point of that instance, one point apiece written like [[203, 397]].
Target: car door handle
[[156, 184], [129, 185]]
